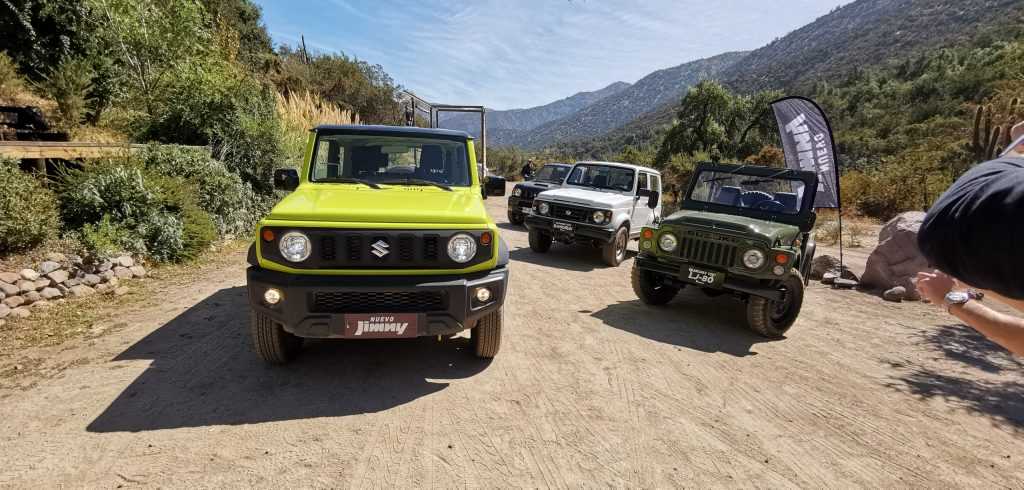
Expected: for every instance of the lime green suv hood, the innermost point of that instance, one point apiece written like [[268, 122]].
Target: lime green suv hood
[[768, 231], [353, 203]]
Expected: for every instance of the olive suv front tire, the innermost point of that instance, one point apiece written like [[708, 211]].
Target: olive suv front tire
[[540, 242], [649, 287], [772, 319], [271, 342], [486, 335]]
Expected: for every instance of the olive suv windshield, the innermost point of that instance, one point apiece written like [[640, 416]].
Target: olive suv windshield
[[403, 160], [775, 193], [552, 173], [602, 177]]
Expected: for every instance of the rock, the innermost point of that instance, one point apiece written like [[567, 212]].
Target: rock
[[82, 290], [63, 289], [58, 276], [91, 280], [121, 291], [897, 260], [843, 283], [895, 294], [73, 282], [9, 277], [9, 289], [114, 282], [2, 295], [107, 276], [56, 257], [29, 274], [41, 304], [138, 271], [125, 261], [42, 282], [75, 259], [26, 286], [20, 313], [48, 267], [4, 310], [50, 293], [32, 296], [822, 264], [104, 266], [102, 288], [123, 272]]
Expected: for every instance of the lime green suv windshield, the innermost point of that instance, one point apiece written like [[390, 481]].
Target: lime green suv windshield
[[390, 160]]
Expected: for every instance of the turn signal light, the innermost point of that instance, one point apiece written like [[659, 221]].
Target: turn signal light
[[781, 258], [648, 233], [268, 235], [485, 238]]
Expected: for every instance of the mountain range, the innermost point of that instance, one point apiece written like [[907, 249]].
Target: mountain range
[[855, 36]]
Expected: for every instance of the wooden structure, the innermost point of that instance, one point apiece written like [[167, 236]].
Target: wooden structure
[[65, 150]]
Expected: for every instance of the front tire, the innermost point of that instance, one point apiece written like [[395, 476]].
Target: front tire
[[649, 287], [486, 336], [614, 252], [515, 219], [772, 319], [540, 242], [271, 342]]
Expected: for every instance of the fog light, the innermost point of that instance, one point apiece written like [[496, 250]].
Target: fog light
[[778, 270], [483, 295], [646, 245], [272, 296]]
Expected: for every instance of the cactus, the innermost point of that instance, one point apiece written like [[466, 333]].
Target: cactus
[[987, 141]]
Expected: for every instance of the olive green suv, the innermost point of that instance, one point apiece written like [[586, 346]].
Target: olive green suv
[[743, 230]]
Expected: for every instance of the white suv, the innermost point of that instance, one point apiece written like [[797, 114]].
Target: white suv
[[604, 203]]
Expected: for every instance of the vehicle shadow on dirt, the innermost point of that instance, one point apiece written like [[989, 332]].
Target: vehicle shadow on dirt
[[204, 373], [578, 258], [974, 374], [691, 320]]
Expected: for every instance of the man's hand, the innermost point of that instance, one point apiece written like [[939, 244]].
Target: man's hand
[[933, 286]]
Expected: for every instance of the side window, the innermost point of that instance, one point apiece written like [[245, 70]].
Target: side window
[[656, 183], [328, 160], [641, 184]]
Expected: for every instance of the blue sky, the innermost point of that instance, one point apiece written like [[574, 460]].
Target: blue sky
[[513, 54]]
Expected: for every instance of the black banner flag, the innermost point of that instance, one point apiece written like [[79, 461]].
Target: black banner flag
[[808, 145]]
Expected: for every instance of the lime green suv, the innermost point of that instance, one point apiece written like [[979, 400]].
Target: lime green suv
[[385, 235]]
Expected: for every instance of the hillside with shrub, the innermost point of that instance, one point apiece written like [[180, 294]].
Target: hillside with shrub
[[200, 81]]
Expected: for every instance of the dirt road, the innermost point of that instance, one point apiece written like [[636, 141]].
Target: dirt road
[[591, 389]]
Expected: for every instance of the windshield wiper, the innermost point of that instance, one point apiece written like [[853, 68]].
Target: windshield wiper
[[726, 176], [418, 182], [767, 180], [350, 180]]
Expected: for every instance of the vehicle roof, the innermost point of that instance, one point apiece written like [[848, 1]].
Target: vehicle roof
[[370, 129], [620, 164], [560, 164]]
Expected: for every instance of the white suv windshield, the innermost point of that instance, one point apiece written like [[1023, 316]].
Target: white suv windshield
[[602, 177], [390, 160]]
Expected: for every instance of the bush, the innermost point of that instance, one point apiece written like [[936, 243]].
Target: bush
[[28, 211], [11, 83], [69, 85], [218, 191]]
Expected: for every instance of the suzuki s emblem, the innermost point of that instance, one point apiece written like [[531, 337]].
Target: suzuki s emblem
[[568, 213], [380, 248]]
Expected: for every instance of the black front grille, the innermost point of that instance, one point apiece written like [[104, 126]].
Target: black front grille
[[378, 301], [708, 252], [571, 213]]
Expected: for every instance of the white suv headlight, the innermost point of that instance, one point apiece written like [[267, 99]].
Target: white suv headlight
[[543, 208], [294, 246], [462, 248], [668, 242], [598, 217], [753, 259]]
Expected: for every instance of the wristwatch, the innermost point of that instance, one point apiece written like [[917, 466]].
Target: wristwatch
[[956, 298]]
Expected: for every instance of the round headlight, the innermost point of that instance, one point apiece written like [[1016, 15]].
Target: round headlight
[[517, 191], [598, 217], [294, 246], [753, 259], [462, 248], [543, 208], [668, 242]]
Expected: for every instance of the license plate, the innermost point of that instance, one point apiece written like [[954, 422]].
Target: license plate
[[703, 277], [526, 210], [381, 325], [560, 226]]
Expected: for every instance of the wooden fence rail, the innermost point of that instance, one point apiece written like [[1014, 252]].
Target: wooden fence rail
[[66, 150]]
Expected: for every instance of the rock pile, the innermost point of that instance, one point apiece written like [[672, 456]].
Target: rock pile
[[894, 264], [59, 277]]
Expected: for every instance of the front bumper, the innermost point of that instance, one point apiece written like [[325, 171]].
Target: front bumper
[[299, 314], [516, 205], [674, 269], [594, 232]]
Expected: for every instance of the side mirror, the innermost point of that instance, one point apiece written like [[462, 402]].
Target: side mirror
[[653, 198], [286, 179], [495, 185]]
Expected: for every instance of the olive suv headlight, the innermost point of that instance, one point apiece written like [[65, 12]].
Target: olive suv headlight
[[461, 248], [753, 259], [295, 246], [668, 242], [600, 217], [543, 208]]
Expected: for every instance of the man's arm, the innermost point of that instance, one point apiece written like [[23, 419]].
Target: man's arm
[[1004, 330]]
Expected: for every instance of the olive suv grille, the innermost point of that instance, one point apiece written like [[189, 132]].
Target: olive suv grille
[[377, 301], [708, 252], [571, 213]]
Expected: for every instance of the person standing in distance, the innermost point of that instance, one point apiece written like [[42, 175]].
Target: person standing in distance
[[528, 169]]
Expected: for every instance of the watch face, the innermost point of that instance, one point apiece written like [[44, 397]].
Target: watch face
[[957, 297]]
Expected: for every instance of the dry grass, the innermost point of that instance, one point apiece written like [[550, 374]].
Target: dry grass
[[855, 230], [300, 113]]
